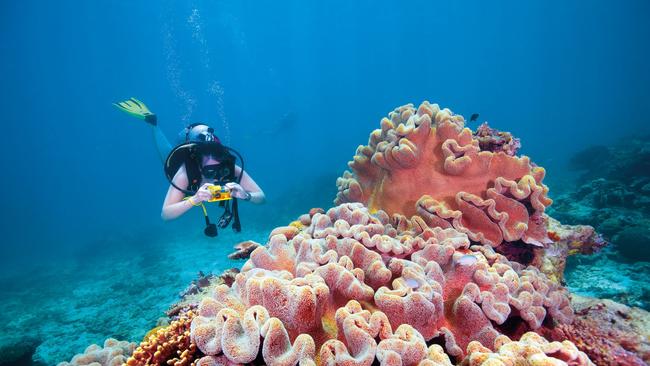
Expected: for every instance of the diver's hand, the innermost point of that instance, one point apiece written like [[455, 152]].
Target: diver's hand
[[202, 195], [237, 191]]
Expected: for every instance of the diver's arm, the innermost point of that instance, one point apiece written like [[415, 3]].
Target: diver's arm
[[256, 194], [174, 205]]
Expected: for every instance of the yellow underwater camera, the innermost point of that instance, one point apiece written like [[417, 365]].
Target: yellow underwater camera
[[219, 193]]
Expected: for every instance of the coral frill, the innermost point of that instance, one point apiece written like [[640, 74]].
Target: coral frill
[[350, 288], [424, 162], [114, 353]]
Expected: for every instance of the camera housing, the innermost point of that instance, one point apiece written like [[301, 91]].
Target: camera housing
[[219, 193]]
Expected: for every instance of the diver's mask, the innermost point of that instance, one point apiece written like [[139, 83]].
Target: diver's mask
[[211, 171]]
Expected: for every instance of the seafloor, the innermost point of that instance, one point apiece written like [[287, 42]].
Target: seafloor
[[55, 312]]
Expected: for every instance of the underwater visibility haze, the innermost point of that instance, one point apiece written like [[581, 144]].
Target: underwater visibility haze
[[427, 182]]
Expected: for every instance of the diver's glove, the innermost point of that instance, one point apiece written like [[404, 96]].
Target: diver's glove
[[137, 109], [238, 191]]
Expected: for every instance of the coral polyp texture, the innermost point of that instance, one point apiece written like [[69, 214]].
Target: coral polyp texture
[[531, 349], [352, 287], [425, 162], [166, 345]]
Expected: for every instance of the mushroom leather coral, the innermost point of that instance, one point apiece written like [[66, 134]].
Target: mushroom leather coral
[[114, 353], [532, 349], [425, 162], [351, 288]]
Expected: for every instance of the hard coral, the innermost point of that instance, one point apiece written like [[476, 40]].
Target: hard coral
[[349, 287], [113, 353], [425, 162], [169, 345]]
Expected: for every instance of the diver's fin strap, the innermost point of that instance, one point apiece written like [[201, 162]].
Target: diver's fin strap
[[236, 225]]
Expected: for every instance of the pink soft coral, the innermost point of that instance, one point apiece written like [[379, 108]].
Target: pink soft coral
[[351, 288], [425, 162]]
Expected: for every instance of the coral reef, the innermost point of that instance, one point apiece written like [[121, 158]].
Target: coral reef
[[439, 252], [114, 353], [490, 139], [567, 240], [423, 161], [613, 195], [626, 161], [531, 349], [191, 295], [199, 283], [605, 276], [166, 345], [351, 287], [608, 332], [243, 250]]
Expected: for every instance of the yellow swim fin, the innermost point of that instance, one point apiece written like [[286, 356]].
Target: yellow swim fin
[[137, 109]]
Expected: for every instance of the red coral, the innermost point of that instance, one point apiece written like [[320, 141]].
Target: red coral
[[424, 162]]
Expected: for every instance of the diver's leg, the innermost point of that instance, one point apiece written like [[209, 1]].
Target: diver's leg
[[162, 144]]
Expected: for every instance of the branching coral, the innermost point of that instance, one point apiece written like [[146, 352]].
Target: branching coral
[[349, 287], [425, 162], [167, 345], [114, 353]]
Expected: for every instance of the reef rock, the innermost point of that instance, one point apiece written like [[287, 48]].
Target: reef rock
[[608, 332], [424, 162]]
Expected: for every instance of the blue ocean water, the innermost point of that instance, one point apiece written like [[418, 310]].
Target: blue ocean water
[[295, 86]]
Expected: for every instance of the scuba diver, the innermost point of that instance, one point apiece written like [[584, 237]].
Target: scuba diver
[[199, 169]]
